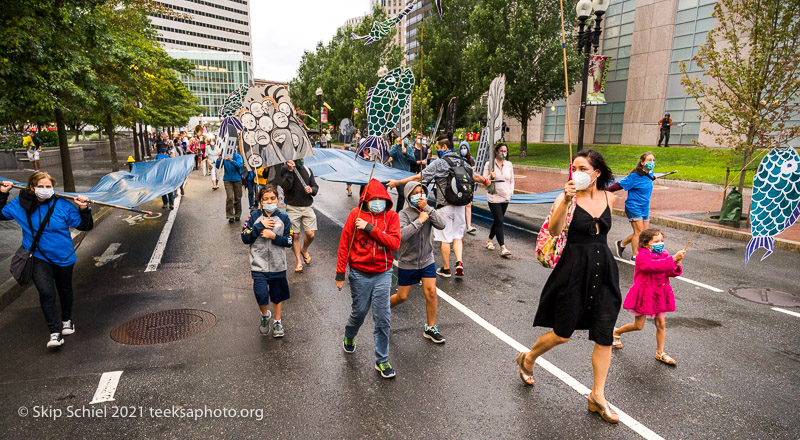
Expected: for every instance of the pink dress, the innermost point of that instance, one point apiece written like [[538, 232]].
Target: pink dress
[[651, 293]]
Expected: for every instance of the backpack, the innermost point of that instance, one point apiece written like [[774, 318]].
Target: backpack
[[459, 187]]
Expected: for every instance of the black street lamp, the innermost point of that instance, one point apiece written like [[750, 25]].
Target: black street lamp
[[588, 38], [319, 106]]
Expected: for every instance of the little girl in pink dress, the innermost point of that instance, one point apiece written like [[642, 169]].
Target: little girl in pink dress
[[651, 295]]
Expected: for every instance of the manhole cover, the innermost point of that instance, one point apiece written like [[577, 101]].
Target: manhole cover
[[163, 327], [766, 296]]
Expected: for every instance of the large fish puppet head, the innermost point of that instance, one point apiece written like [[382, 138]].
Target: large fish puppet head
[[775, 204], [385, 104]]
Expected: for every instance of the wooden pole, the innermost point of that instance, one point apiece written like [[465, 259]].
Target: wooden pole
[[95, 202]]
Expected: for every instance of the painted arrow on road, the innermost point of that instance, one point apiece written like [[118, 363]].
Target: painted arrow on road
[[109, 255]]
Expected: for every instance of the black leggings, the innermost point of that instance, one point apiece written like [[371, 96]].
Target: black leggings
[[498, 213], [49, 279]]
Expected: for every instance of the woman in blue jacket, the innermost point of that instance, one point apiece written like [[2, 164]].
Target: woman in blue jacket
[[639, 185], [54, 257]]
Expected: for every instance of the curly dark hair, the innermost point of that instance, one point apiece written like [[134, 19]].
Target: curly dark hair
[[597, 162], [646, 236]]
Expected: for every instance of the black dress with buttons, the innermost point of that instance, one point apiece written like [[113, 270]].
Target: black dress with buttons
[[582, 292]]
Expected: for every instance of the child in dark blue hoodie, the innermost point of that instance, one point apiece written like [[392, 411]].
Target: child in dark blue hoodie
[[268, 231]]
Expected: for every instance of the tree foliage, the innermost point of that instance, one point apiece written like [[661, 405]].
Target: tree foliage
[[751, 63], [340, 66]]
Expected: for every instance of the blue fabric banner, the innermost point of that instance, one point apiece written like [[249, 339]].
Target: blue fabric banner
[[342, 166], [147, 181]]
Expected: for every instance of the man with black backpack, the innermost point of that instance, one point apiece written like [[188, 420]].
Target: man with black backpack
[[454, 181]]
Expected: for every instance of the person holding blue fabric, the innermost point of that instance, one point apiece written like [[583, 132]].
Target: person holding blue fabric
[[639, 185], [233, 186], [54, 255], [401, 157], [163, 152]]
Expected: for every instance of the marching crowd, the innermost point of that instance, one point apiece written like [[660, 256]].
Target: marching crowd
[[581, 293]]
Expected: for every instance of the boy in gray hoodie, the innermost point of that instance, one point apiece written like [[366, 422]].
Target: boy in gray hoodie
[[415, 256]]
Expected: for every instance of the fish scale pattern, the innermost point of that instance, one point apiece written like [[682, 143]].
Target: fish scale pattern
[[775, 204], [385, 103]]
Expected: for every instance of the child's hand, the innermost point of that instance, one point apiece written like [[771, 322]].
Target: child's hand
[[678, 257], [339, 284], [361, 223], [268, 222], [268, 234]]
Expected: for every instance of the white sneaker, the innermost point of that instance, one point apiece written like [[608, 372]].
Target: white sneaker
[[471, 230], [68, 327], [55, 340]]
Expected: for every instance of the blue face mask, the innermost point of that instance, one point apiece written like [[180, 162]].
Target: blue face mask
[[377, 205], [658, 248], [414, 199], [464, 152], [270, 207], [650, 165]]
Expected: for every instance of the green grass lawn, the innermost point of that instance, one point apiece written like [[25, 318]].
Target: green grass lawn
[[694, 164]]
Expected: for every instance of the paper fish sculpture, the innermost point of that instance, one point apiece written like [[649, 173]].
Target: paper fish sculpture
[[494, 119], [775, 205], [381, 28], [230, 107], [385, 103]]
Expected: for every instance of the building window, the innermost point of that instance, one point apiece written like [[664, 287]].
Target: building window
[[618, 36], [555, 118], [608, 125]]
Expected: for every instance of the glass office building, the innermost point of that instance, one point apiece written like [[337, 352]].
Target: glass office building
[[215, 76]]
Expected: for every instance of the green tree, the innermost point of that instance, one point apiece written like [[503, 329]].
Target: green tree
[[340, 66], [360, 103], [421, 112], [522, 39], [751, 63]]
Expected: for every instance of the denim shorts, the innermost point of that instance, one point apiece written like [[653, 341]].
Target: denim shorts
[[636, 218], [410, 277]]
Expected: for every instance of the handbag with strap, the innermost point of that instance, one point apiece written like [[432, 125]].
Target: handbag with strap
[[548, 247], [22, 261]]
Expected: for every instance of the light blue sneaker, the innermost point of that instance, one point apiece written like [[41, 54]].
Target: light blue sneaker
[[264, 328]]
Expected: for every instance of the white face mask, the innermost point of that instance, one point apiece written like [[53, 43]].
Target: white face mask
[[582, 180], [44, 193]]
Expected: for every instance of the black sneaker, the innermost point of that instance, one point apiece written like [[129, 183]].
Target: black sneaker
[[55, 340], [171, 206], [619, 247], [442, 272], [386, 370], [459, 269], [237, 219], [230, 220], [67, 327], [163, 206], [349, 345], [433, 334]]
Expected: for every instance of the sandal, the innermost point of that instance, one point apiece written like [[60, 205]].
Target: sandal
[[505, 253], [490, 246], [306, 258], [525, 375], [298, 269], [665, 358], [617, 342], [605, 411]]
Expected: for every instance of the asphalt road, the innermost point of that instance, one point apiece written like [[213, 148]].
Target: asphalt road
[[737, 375]]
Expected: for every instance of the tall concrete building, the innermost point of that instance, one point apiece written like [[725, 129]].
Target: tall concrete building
[[392, 8], [414, 32], [217, 39], [647, 40], [352, 22]]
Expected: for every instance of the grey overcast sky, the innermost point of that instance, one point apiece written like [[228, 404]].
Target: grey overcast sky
[[283, 29]]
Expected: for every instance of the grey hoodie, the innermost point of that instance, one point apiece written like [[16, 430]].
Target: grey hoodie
[[416, 246]]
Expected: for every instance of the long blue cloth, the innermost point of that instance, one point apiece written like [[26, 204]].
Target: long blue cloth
[[343, 167], [147, 181], [539, 198]]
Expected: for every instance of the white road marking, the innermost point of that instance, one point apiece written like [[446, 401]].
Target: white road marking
[[107, 387], [549, 367], [134, 219], [158, 252], [627, 420], [788, 312], [622, 260], [109, 255], [330, 217]]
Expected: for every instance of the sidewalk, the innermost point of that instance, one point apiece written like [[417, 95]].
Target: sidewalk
[[679, 205]]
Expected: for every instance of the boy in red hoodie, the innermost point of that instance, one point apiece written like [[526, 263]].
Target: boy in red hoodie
[[377, 235]]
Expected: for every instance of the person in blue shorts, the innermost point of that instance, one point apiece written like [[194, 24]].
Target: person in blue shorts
[[415, 256], [269, 232], [639, 185]]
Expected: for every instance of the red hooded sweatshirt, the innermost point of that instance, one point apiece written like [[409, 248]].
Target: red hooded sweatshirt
[[372, 248]]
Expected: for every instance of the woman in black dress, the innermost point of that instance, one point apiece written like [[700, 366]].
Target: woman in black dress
[[582, 292]]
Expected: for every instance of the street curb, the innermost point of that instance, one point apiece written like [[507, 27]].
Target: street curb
[[534, 224], [666, 182], [10, 290]]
